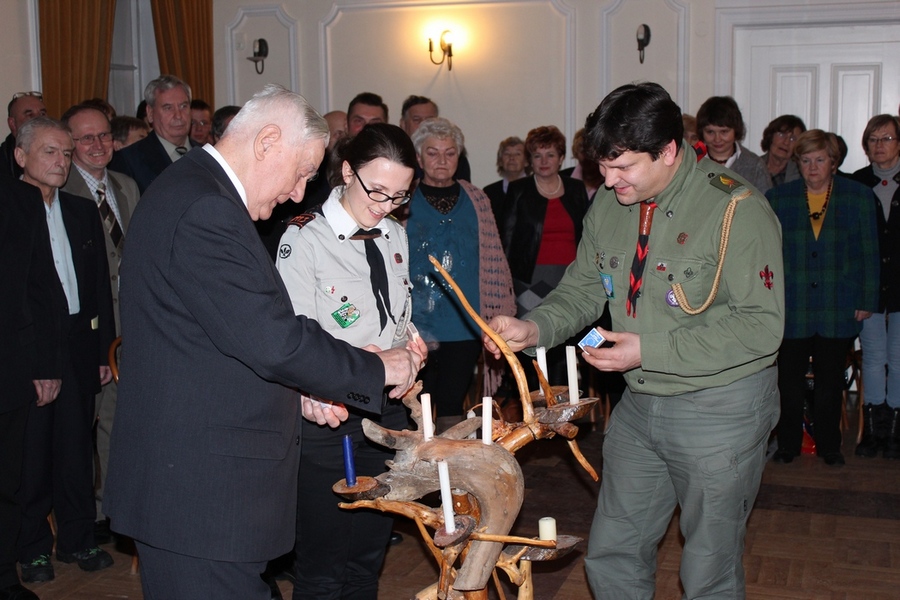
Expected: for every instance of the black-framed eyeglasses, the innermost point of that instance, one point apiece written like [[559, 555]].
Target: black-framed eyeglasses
[[37, 95], [88, 140], [381, 196]]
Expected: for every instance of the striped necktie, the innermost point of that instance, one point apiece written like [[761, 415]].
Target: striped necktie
[[109, 217], [640, 257]]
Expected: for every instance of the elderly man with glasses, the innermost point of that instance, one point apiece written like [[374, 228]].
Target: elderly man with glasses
[[116, 196], [23, 107]]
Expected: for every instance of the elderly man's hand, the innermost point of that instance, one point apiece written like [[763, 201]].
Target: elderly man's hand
[[323, 412], [623, 356], [401, 365], [47, 390]]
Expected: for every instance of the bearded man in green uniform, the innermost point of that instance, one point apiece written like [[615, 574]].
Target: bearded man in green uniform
[[689, 258]]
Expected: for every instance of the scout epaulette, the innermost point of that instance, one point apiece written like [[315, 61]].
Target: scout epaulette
[[302, 219], [724, 182]]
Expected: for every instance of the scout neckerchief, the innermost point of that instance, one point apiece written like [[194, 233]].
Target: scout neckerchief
[[377, 273], [640, 257]]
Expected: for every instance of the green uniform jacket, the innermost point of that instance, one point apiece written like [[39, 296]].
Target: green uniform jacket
[[738, 335]]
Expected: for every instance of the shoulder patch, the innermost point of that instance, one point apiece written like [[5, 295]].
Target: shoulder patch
[[724, 183], [301, 220]]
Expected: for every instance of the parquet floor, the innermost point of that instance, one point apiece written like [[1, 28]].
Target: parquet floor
[[816, 533]]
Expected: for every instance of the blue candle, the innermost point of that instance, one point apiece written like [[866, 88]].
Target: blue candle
[[349, 465]]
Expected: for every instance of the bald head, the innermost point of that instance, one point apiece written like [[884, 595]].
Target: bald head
[[337, 126]]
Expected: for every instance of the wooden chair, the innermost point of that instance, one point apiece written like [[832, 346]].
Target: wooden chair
[[854, 364], [114, 367]]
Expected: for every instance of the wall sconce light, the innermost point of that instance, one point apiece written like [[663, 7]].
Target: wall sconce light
[[260, 53], [446, 42], [643, 40]]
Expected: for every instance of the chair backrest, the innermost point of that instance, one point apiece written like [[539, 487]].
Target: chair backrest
[[114, 357]]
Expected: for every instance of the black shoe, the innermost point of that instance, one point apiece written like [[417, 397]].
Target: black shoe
[[395, 538], [102, 534], [17, 592], [90, 559], [834, 459], [870, 443], [783, 457], [38, 569]]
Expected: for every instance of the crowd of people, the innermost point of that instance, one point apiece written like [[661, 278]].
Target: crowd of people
[[325, 313]]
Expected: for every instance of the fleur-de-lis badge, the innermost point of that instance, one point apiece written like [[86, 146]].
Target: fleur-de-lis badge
[[766, 275]]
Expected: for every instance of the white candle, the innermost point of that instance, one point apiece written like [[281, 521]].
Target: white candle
[[572, 369], [471, 415], [427, 420], [547, 528], [446, 498], [542, 365], [487, 420]]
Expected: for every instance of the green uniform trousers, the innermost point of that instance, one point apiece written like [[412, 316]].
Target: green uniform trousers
[[705, 452]]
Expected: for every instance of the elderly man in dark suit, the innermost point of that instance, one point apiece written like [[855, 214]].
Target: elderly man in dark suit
[[30, 365], [206, 441], [116, 196], [169, 111], [57, 471]]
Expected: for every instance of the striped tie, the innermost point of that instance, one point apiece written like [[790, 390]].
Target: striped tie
[[109, 217], [640, 257]]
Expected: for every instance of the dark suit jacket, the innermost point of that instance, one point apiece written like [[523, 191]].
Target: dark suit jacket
[[888, 243], [30, 296], [205, 447], [92, 331], [523, 223], [127, 195], [143, 161]]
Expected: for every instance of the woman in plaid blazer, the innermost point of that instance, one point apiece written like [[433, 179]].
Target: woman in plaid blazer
[[830, 247]]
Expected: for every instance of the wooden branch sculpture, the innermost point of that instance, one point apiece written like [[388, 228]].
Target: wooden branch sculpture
[[487, 478]]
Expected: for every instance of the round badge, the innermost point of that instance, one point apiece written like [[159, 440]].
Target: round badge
[[284, 251], [670, 298]]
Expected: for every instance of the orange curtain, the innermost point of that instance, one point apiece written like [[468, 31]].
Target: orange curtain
[[76, 45], [184, 42]]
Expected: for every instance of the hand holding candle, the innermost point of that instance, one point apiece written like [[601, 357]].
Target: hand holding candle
[[446, 497], [349, 464], [487, 420], [427, 419], [572, 370]]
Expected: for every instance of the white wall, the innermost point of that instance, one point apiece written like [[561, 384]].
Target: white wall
[[517, 63], [19, 69]]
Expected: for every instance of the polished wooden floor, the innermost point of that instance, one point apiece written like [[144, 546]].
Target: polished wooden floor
[[816, 533]]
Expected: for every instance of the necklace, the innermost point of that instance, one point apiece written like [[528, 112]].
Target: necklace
[[721, 162], [815, 216], [554, 193]]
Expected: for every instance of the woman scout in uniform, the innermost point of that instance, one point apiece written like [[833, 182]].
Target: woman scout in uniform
[[346, 265]]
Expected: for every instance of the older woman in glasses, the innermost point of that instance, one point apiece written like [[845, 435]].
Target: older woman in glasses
[[831, 287], [346, 265], [880, 339], [452, 221], [778, 141]]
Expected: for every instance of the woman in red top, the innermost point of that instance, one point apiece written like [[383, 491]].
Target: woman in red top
[[542, 227]]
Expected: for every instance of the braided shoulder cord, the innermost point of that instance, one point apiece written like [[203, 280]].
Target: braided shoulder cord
[[723, 248]]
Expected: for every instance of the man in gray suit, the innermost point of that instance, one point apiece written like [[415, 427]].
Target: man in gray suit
[[206, 442], [116, 196]]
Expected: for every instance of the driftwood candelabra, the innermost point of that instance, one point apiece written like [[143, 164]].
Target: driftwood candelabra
[[488, 486]]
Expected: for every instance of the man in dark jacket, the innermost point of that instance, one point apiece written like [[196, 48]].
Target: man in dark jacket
[[57, 470]]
